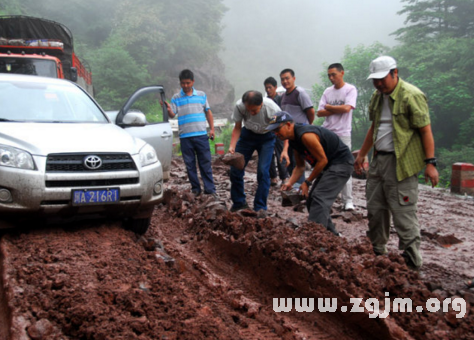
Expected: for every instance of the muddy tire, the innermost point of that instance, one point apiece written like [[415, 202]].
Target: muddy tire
[[138, 226]]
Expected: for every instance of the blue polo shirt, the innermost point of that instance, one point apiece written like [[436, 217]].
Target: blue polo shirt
[[191, 111]]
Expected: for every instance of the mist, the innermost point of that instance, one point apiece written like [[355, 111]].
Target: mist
[[263, 37]]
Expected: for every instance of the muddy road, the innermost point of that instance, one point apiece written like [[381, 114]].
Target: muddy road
[[201, 272]]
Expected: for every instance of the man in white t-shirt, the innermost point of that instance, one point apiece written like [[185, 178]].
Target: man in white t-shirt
[[336, 106]]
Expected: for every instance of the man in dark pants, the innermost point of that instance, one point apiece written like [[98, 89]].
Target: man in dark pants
[[193, 110], [271, 89], [298, 104], [330, 158], [255, 112]]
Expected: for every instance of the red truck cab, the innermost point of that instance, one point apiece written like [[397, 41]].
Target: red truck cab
[[36, 46]]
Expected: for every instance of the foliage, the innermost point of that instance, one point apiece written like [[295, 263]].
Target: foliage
[[117, 75], [155, 38], [436, 18], [437, 55], [439, 70], [225, 135], [10, 7], [166, 35]]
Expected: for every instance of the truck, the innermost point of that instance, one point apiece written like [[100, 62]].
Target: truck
[[36, 46]]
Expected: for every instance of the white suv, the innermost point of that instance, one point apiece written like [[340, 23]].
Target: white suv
[[62, 157]]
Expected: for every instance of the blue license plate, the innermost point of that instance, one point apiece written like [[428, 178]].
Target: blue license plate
[[95, 196]]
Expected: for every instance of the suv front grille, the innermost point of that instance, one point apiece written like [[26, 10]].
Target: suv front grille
[[91, 183], [76, 162]]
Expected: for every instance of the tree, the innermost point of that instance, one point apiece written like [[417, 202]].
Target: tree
[[437, 53], [434, 19], [116, 75], [167, 35], [131, 42], [10, 7]]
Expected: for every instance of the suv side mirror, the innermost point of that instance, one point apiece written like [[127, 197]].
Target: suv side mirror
[[74, 74]]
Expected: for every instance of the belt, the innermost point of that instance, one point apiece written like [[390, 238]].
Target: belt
[[384, 153]]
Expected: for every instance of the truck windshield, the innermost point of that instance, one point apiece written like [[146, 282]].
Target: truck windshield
[[38, 67]]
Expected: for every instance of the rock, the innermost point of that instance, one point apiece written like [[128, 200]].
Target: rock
[[433, 285], [290, 198], [235, 159], [40, 330]]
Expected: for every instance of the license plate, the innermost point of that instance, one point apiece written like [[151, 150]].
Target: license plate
[[95, 196]]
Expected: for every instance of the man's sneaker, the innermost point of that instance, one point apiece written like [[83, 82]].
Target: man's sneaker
[[380, 253], [237, 208], [410, 264], [196, 193], [273, 182], [349, 206]]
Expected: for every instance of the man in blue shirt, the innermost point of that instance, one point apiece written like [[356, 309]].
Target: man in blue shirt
[[192, 109]]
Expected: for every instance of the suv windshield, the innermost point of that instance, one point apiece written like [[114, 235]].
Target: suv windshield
[[37, 67], [43, 102]]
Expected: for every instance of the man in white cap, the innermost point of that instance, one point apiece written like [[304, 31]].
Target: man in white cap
[[403, 144]]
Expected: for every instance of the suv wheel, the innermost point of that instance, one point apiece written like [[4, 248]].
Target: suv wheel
[[139, 225]]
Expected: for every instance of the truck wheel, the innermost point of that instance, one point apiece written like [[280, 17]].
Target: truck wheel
[[139, 225]]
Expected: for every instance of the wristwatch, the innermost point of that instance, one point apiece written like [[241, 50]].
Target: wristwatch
[[308, 183], [431, 161]]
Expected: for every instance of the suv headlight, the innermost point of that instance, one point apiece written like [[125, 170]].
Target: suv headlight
[[147, 155], [16, 158]]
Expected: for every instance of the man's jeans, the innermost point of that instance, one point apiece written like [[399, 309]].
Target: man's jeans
[[247, 144], [192, 147], [281, 166]]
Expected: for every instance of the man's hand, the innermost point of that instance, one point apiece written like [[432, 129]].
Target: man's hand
[[284, 156], [212, 134], [286, 186], [231, 149], [431, 173], [359, 165], [304, 190]]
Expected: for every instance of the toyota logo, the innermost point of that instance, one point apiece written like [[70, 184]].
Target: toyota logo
[[92, 162]]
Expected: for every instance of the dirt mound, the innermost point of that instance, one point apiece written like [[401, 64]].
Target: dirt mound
[[311, 262], [202, 272]]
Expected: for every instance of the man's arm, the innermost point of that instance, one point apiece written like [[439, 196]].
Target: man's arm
[[235, 136], [210, 121], [171, 114], [297, 172], [364, 150], [313, 144], [431, 173], [310, 114], [334, 109], [284, 153]]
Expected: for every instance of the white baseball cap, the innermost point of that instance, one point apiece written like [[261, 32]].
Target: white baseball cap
[[381, 66]]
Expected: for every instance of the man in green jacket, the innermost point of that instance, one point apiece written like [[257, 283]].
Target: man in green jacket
[[403, 146]]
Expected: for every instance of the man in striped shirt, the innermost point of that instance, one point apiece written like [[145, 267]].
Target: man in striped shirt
[[192, 109]]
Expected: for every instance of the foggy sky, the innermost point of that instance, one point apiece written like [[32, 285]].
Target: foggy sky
[[262, 37]]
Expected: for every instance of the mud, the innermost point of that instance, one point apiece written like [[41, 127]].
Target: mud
[[201, 272]]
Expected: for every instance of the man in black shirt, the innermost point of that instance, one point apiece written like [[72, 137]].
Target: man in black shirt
[[330, 158]]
